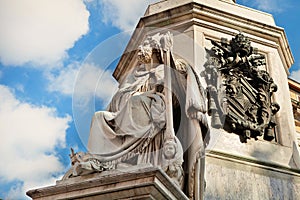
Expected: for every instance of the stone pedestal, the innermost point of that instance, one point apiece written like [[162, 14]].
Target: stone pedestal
[[134, 183], [234, 170]]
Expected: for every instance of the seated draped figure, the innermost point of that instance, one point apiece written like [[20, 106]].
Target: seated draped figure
[[133, 129]]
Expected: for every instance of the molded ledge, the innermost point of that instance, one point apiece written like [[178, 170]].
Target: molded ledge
[[134, 183]]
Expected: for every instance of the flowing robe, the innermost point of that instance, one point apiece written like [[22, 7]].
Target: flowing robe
[[193, 131], [133, 126]]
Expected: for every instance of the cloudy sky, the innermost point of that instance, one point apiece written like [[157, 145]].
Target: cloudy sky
[[52, 77]]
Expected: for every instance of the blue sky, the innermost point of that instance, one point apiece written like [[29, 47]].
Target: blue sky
[[52, 78]]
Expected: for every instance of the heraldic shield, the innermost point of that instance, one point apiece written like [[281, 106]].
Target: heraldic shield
[[240, 89]]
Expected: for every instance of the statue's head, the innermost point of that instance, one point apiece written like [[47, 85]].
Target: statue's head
[[170, 149], [145, 51], [154, 46]]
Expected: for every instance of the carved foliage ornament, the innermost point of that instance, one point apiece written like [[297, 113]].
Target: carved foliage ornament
[[239, 89]]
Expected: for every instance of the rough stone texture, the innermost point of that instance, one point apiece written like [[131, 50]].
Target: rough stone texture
[[135, 183], [226, 179]]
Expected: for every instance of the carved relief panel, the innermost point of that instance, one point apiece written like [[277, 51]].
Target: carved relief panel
[[240, 89]]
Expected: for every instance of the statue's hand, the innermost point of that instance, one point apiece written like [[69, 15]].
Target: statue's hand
[[193, 113], [194, 107], [75, 157]]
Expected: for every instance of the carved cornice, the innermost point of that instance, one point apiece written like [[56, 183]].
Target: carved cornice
[[224, 17], [294, 85], [127, 183]]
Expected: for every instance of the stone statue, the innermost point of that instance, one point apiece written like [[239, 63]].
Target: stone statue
[[133, 130], [172, 161]]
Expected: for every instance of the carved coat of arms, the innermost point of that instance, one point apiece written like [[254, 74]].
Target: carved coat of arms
[[240, 89]]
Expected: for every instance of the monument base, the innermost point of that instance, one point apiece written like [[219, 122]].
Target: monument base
[[134, 183]]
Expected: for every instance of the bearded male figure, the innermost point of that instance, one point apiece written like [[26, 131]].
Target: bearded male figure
[[133, 130]]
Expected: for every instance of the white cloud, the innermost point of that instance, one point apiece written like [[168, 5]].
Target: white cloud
[[124, 14], [40, 31], [87, 81], [93, 82], [295, 75], [29, 136], [90, 86], [269, 5], [64, 81], [19, 87]]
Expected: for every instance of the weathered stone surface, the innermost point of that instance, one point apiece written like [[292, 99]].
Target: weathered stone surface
[[223, 5], [235, 180], [142, 182], [257, 151]]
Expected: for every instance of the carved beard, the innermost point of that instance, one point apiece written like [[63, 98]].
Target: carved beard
[[145, 54]]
